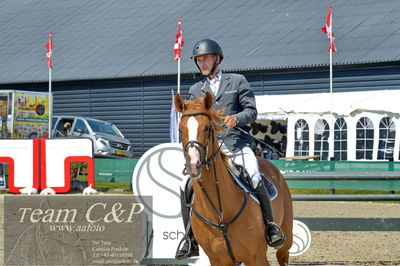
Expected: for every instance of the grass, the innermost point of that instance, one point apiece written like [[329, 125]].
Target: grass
[[107, 185], [113, 185]]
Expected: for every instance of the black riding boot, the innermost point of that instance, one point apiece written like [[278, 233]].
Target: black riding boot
[[274, 234], [188, 246]]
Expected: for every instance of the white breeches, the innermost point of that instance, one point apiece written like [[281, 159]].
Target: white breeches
[[248, 160], [245, 158]]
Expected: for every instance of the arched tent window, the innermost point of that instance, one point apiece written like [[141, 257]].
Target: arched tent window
[[387, 132], [365, 138], [340, 140], [321, 135], [301, 138]]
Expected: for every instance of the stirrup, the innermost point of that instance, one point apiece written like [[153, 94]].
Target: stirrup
[[279, 233], [189, 253]]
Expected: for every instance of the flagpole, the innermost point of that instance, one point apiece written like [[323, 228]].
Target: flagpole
[[50, 104], [331, 79], [179, 75], [331, 86], [177, 50], [330, 64], [49, 48], [179, 92]]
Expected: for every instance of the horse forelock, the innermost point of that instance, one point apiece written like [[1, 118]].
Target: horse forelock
[[215, 116]]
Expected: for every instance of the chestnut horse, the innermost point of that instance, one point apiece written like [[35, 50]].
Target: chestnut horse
[[226, 222]]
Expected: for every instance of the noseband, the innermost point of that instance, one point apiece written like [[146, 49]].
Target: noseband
[[192, 143]]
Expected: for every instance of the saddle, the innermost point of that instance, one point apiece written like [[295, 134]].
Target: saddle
[[242, 179]]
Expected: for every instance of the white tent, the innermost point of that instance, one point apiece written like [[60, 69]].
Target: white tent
[[351, 106], [344, 103]]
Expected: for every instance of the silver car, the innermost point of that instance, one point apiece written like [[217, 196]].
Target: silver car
[[107, 140]]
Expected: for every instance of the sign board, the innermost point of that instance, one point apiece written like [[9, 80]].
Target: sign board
[[22, 157], [301, 238], [158, 173], [54, 155], [44, 161], [74, 230]]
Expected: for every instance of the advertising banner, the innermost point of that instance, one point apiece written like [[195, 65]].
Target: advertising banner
[[158, 173], [75, 230], [31, 114]]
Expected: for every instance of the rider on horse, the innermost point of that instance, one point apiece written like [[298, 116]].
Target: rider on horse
[[232, 93]]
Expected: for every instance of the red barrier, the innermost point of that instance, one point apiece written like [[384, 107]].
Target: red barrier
[[83, 159], [40, 159]]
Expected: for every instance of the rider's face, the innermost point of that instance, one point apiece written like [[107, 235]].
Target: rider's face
[[206, 63]]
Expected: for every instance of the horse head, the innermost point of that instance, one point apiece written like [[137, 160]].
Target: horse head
[[197, 128]]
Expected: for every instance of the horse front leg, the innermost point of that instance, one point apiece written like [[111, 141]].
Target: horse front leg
[[215, 261], [258, 260]]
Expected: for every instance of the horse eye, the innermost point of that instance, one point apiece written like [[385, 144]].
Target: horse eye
[[206, 128]]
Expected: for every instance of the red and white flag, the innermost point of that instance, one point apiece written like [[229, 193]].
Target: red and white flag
[[179, 41], [49, 50], [328, 30]]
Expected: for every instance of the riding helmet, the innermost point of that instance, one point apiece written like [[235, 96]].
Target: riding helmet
[[207, 46]]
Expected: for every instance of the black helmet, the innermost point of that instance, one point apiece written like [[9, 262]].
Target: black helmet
[[207, 46]]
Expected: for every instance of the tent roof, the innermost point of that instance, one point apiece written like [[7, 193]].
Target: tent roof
[[343, 103]]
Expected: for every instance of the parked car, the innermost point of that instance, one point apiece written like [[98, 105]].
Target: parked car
[[107, 139]]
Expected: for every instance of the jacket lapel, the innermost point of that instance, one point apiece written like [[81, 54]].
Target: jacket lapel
[[225, 81], [206, 86]]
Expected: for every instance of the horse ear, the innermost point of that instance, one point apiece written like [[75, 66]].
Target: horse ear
[[179, 104], [208, 100]]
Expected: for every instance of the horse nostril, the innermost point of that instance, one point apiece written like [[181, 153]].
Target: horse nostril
[[196, 166]]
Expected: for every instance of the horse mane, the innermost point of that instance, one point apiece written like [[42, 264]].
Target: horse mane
[[216, 119], [216, 116]]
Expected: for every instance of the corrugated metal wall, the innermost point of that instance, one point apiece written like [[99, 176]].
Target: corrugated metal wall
[[141, 108], [346, 78]]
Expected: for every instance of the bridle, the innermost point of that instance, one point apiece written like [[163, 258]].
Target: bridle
[[205, 160], [221, 225]]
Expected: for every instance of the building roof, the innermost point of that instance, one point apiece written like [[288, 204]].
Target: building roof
[[99, 39]]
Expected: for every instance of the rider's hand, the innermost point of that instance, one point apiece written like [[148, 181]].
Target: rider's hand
[[230, 121]]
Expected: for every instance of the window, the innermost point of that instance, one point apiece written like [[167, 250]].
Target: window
[[340, 140], [321, 135], [81, 127], [104, 127], [364, 138], [387, 132], [301, 138]]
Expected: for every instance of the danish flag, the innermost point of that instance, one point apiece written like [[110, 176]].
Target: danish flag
[[328, 30], [49, 50], [179, 41]]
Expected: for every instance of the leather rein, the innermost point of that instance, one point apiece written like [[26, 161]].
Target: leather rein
[[222, 226]]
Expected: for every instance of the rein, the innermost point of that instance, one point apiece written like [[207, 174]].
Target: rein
[[223, 227]]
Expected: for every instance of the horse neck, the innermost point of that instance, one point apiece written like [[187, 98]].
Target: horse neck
[[229, 193]]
